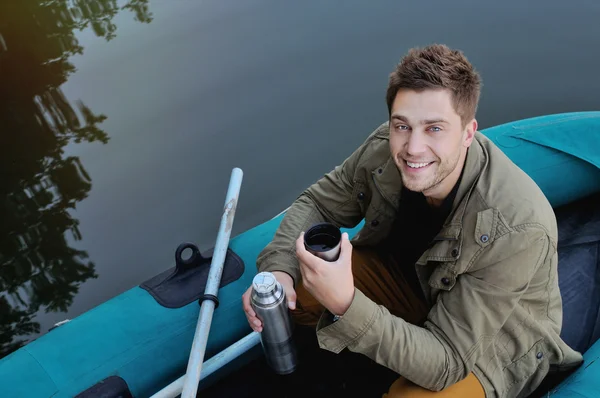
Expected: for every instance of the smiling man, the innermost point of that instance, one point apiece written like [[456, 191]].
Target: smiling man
[[452, 281], [429, 139]]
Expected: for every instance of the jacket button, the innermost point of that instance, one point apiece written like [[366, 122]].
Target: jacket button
[[484, 238], [361, 196], [445, 281], [380, 171], [454, 252], [539, 355], [374, 223]]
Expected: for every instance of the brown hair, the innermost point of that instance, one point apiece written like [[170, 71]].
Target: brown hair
[[438, 67]]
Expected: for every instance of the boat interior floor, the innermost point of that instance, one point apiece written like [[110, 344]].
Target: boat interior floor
[[320, 373]]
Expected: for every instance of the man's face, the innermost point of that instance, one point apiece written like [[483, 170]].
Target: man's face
[[427, 140]]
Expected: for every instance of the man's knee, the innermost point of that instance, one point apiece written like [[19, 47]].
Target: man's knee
[[470, 387]]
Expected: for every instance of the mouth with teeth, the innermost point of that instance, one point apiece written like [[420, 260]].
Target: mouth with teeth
[[416, 167]]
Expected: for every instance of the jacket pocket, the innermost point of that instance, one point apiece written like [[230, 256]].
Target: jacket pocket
[[378, 222], [485, 229], [362, 195], [525, 374], [379, 215], [442, 278]]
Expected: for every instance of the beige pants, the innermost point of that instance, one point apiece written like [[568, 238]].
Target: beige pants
[[383, 282]]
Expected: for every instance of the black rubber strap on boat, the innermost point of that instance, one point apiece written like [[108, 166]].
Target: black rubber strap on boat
[[186, 282], [210, 297]]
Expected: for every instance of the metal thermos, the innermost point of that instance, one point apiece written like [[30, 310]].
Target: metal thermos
[[324, 241], [269, 302]]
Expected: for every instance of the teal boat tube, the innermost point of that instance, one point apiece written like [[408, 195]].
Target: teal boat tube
[[144, 346]]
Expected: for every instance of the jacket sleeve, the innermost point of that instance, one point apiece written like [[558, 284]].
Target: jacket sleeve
[[330, 199], [459, 327]]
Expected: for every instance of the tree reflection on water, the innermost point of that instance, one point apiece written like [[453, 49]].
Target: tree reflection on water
[[38, 183]]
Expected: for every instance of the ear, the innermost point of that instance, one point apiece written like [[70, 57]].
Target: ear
[[469, 135]]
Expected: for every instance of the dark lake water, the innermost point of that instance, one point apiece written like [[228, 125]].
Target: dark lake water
[[122, 120]]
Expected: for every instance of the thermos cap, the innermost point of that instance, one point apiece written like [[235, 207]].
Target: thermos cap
[[264, 283]]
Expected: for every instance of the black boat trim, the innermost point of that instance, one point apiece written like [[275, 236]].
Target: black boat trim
[[111, 387]]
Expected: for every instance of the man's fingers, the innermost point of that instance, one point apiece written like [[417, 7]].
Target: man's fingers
[[257, 327], [291, 299], [304, 256], [246, 303], [306, 259], [250, 311], [301, 252], [253, 321], [288, 287], [345, 249]]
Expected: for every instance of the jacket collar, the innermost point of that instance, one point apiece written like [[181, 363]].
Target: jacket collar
[[452, 228], [474, 163]]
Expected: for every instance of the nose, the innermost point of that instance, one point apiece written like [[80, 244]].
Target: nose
[[415, 145]]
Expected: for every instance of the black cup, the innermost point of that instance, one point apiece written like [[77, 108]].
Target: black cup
[[324, 241]]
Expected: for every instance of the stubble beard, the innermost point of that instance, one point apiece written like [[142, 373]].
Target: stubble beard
[[442, 170]]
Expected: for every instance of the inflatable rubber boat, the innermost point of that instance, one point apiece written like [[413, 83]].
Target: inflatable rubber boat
[[139, 342]]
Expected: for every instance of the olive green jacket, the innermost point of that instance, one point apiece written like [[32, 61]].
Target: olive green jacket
[[490, 275]]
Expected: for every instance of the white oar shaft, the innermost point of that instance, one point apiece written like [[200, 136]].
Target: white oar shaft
[[213, 364], [194, 368]]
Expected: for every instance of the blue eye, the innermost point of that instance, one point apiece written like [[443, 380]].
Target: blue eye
[[435, 128], [402, 127]]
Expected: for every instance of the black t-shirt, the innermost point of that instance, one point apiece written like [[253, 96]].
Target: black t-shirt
[[415, 227]]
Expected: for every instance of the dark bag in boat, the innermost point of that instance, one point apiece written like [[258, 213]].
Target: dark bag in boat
[[579, 271]]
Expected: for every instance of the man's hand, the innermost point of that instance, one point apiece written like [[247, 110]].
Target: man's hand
[[286, 282], [331, 283]]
